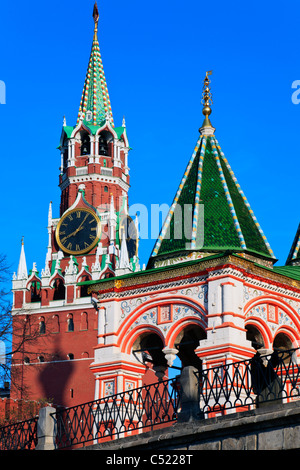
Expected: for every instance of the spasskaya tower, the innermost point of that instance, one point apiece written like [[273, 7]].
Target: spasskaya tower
[[94, 172], [93, 238]]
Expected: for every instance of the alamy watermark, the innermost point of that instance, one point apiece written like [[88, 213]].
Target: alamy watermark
[[185, 222], [2, 92], [296, 94]]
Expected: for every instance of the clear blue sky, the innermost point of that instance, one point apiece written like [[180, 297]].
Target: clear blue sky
[[155, 56]]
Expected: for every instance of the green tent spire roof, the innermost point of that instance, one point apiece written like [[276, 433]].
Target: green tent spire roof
[[210, 213], [95, 104], [294, 254]]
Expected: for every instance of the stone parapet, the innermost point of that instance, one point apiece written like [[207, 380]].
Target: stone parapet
[[275, 428]]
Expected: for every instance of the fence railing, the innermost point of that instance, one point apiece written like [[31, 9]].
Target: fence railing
[[254, 382], [19, 436], [125, 413], [236, 386]]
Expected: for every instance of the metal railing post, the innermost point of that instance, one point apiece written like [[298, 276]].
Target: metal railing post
[[46, 429]]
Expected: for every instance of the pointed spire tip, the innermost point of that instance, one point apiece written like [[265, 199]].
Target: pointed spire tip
[[96, 19], [96, 13], [95, 104]]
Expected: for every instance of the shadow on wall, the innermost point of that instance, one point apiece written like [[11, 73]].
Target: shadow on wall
[[55, 376]]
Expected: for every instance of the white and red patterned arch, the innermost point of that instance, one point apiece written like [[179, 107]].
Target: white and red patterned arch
[[166, 317], [271, 316]]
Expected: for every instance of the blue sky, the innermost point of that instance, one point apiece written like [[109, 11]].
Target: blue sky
[[155, 56]]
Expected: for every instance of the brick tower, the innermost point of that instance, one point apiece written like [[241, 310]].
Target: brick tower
[[88, 241]]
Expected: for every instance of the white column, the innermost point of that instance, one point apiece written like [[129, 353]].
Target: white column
[[96, 149], [101, 325], [92, 144]]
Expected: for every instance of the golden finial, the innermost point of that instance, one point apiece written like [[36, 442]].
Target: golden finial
[[206, 101], [206, 95], [96, 19]]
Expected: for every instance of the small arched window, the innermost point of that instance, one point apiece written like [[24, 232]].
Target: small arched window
[[70, 322], [71, 356], [105, 189], [84, 321], [42, 326], [55, 324]]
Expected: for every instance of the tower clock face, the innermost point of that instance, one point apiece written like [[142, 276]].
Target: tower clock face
[[78, 231]]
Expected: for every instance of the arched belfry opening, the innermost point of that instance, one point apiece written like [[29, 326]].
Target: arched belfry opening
[[105, 143], [85, 147], [65, 153], [186, 343]]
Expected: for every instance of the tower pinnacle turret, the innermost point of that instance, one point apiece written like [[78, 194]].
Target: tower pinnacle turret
[[95, 107], [22, 267]]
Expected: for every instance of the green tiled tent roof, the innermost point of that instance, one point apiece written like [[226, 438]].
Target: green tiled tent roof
[[95, 97], [294, 254], [217, 216]]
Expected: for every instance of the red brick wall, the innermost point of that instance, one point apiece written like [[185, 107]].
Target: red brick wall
[[59, 379], [18, 410]]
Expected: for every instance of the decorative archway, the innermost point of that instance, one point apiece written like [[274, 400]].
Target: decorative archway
[[270, 318], [177, 324]]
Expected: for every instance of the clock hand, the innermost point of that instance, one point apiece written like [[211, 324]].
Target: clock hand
[[73, 233], [70, 235], [80, 226]]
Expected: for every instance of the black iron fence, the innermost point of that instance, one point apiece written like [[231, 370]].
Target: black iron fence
[[19, 436], [237, 386], [256, 382], [125, 413]]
